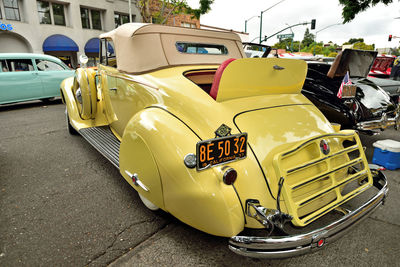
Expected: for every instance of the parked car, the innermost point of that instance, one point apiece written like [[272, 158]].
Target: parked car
[[367, 108], [221, 144], [25, 76], [392, 87], [382, 66]]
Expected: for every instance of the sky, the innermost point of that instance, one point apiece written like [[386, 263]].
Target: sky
[[374, 25]]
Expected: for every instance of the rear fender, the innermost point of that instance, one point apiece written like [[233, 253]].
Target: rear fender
[[154, 145]]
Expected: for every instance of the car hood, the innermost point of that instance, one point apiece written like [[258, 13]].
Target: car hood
[[357, 62]]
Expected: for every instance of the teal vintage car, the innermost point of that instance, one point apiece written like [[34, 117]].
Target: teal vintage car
[[26, 76]]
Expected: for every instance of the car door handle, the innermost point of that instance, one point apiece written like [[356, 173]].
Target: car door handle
[[113, 89]]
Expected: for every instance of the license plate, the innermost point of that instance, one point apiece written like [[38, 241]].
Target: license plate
[[221, 150]]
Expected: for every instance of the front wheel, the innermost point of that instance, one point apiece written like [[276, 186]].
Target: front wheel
[[71, 129]]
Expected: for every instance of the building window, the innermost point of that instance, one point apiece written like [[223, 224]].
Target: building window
[[96, 19], [85, 18], [188, 25], [120, 19], [91, 18], [58, 13], [44, 12], [11, 9]]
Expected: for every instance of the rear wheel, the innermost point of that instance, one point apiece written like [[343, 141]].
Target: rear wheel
[[148, 203], [71, 129]]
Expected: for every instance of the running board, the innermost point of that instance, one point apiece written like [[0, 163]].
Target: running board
[[104, 141]]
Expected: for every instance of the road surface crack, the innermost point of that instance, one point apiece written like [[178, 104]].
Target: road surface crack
[[115, 240], [380, 220]]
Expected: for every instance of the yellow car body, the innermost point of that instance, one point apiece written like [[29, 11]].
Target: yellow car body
[[148, 107]]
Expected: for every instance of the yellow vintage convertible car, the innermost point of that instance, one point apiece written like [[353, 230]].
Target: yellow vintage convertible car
[[224, 143]]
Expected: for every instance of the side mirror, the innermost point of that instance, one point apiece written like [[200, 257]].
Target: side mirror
[[83, 59]]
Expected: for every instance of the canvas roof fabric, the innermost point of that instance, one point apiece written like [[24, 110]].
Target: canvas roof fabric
[[141, 47]]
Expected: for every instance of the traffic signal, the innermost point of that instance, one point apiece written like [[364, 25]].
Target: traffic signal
[[390, 37], [312, 24]]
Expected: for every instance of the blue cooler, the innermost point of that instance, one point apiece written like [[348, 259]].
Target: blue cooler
[[387, 154]]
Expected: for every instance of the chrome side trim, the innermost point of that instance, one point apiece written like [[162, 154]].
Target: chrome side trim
[[288, 246], [136, 181]]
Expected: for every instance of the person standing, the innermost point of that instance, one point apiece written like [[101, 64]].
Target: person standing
[[395, 72]]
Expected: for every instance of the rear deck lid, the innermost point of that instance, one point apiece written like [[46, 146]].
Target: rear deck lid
[[261, 76], [276, 129], [356, 62]]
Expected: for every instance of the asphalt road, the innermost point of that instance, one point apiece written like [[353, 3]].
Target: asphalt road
[[63, 204]]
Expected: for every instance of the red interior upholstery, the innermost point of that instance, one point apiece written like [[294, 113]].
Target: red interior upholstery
[[217, 77]]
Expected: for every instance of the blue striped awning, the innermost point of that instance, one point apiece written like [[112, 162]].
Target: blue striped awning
[[59, 42], [93, 46]]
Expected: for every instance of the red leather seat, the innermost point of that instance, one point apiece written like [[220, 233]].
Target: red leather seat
[[217, 77]]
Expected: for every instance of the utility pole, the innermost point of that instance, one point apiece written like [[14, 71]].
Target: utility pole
[[130, 11], [262, 14], [245, 22]]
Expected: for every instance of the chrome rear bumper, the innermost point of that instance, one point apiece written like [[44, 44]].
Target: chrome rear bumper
[[382, 123], [294, 245]]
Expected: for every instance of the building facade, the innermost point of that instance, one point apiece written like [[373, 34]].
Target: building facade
[[63, 28], [179, 20]]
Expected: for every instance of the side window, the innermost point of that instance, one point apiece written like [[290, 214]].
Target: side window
[[19, 65], [3, 66], [111, 59], [103, 51], [107, 53], [45, 65]]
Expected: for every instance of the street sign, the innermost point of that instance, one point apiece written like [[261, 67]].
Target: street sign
[[285, 36]]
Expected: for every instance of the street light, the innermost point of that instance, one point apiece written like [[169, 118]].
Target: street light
[[245, 22], [325, 29], [262, 14], [315, 39]]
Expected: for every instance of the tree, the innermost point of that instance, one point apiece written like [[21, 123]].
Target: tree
[[282, 44], [363, 46], [332, 54], [352, 7], [308, 38], [355, 40], [170, 7], [395, 51]]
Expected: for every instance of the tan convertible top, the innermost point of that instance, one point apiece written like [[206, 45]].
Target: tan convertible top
[[141, 47]]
